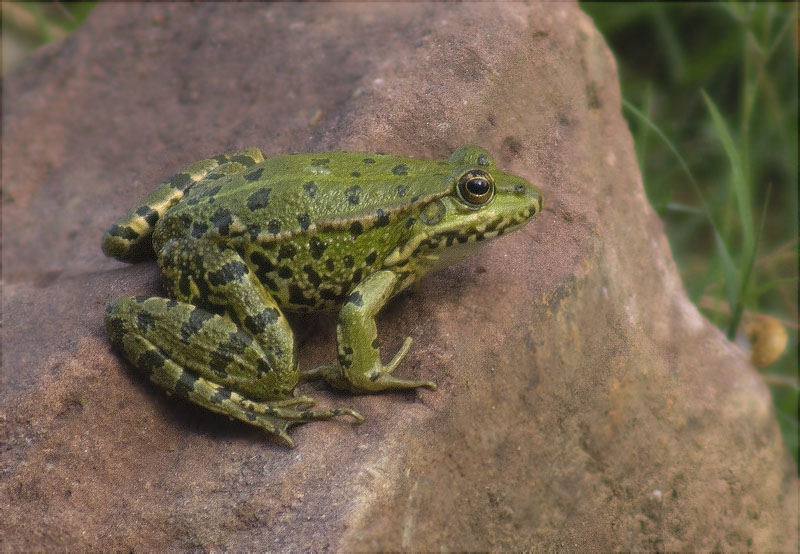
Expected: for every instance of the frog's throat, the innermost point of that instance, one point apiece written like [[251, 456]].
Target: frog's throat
[[453, 234]]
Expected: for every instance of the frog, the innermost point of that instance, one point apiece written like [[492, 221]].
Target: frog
[[241, 239]]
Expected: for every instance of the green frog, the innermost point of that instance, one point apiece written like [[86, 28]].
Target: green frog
[[241, 238]]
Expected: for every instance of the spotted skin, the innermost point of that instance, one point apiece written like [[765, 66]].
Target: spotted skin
[[240, 238], [129, 239]]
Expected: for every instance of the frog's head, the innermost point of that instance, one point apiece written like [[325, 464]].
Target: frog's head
[[483, 203]]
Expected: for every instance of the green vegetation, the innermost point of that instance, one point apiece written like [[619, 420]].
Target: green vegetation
[[711, 98], [28, 25]]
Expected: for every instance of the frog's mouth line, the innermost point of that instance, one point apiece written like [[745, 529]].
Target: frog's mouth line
[[437, 239]]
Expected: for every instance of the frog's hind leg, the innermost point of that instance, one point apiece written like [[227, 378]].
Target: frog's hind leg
[[129, 239], [152, 333]]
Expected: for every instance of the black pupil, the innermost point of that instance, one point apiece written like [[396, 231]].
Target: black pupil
[[478, 186]]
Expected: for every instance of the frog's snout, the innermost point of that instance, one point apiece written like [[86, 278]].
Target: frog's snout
[[536, 199]]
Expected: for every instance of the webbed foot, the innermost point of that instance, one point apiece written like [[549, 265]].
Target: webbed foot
[[379, 378]]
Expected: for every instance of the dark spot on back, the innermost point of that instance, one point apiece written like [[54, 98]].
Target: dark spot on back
[[198, 229], [353, 195], [180, 181], [370, 259], [368, 161], [313, 276], [401, 169], [274, 226], [221, 219], [401, 191], [355, 174], [271, 284], [259, 199], [317, 247], [348, 261], [304, 220], [254, 175], [356, 228], [263, 264], [310, 188], [253, 230], [286, 252], [382, 220]]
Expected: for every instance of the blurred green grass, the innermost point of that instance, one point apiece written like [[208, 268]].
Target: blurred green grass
[[710, 94], [28, 25]]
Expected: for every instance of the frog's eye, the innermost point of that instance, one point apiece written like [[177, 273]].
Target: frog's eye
[[476, 188]]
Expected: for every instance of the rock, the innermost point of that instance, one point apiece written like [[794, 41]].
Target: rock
[[584, 404]]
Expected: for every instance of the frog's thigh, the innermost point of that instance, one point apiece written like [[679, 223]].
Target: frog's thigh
[[357, 335], [205, 359], [208, 345], [153, 334], [220, 279]]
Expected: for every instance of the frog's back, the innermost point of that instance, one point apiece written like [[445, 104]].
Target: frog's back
[[299, 193]]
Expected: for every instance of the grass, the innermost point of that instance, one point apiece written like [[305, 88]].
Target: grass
[[28, 25], [710, 94]]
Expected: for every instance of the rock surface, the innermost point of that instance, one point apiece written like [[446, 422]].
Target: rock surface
[[584, 404]]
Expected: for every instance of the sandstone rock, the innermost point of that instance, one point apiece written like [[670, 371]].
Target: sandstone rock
[[584, 404]]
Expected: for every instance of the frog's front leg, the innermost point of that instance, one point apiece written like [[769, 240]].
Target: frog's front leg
[[360, 368], [241, 363]]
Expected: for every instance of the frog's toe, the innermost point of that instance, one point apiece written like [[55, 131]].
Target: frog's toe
[[404, 348], [278, 419], [295, 401], [387, 381], [318, 373], [352, 413], [284, 437]]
